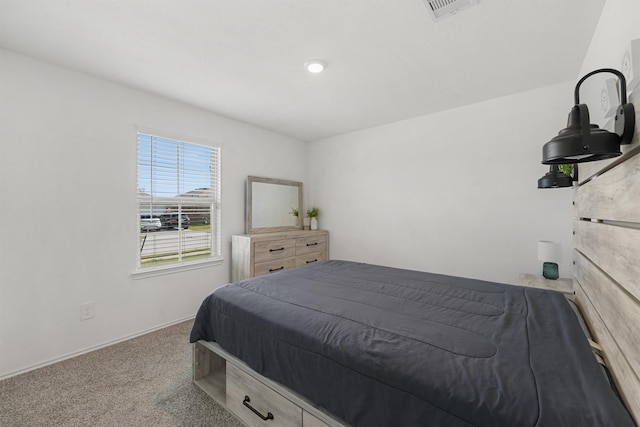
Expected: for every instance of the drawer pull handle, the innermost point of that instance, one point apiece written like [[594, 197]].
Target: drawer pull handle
[[246, 401], [271, 270], [313, 260], [312, 244], [276, 250]]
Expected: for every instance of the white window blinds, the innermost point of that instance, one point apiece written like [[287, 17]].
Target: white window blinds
[[178, 201]]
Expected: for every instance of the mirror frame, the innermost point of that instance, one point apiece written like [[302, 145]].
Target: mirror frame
[[249, 207]]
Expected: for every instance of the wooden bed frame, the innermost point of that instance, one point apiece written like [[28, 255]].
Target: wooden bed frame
[[607, 288], [607, 265]]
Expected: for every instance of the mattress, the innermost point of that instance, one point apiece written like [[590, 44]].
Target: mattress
[[380, 346]]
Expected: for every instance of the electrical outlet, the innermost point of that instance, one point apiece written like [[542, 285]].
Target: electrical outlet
[[87, 310]]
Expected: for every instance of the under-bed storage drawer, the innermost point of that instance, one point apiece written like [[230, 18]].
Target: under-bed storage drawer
[[257, 405], [309, 420], [228, 385]]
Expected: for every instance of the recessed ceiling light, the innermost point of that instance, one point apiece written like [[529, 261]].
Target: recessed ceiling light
[[315, 66]]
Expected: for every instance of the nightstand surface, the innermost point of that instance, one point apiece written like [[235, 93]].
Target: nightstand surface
[[536, 281]]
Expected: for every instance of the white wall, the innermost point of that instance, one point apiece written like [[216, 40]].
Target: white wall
[[68, 216], [453, 192], [619, 24]]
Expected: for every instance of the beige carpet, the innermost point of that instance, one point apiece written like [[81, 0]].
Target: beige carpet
[[145, 381]]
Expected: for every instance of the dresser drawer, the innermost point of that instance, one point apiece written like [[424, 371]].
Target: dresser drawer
[[274, 249], [243, 390], [305, 245], [310, 258], [269, 267]]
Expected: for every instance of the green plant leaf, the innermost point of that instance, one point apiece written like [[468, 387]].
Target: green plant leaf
[[566, 169]]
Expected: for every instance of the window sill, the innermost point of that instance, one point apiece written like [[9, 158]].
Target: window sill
[[143, 273]]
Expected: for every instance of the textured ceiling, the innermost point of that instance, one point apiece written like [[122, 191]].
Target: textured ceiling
[[387, 60]]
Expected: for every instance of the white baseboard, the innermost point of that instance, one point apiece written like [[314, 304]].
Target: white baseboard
[[92, 348]]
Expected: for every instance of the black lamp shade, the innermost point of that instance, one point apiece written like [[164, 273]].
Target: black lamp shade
[[580, 141], [555, 179]]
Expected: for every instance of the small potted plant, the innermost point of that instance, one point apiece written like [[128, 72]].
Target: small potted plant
[[313, 214]]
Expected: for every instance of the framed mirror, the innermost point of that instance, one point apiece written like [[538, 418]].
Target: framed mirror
[[272, 205]]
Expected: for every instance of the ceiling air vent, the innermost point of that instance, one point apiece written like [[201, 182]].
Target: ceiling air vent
[[439, 9]]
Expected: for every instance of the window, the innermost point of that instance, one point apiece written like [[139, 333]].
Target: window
[[178, 202]]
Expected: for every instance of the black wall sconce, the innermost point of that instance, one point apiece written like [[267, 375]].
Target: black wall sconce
[[582, 141], [556, 178]]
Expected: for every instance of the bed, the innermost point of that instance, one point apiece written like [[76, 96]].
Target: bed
[[438, 350], [381, 346]]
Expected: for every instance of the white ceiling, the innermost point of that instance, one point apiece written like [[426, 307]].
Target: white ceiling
[[387, 60]]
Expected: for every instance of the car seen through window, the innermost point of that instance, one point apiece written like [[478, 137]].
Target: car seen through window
[[170, 221], [150, 223]]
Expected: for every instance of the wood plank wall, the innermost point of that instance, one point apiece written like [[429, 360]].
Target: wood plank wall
[[607, 268]]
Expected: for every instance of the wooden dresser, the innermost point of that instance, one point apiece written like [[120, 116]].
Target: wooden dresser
[[258, 254]]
